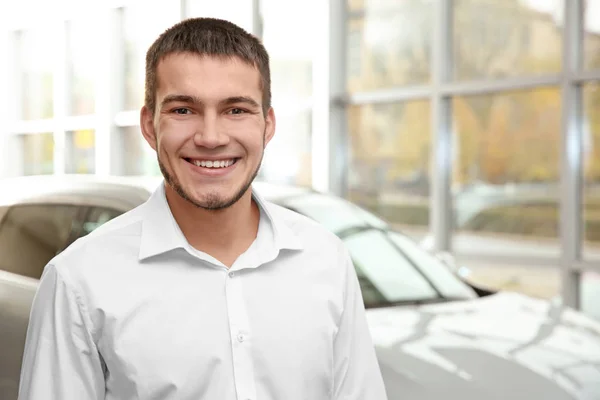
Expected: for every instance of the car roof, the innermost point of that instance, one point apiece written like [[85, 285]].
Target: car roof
[[25, 189]]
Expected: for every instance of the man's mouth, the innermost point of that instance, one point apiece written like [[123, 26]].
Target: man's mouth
[[224, 163]]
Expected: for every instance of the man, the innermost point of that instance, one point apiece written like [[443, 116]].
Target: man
[[206, 291]]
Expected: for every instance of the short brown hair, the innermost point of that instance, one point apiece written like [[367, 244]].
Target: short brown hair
[[208, 37]]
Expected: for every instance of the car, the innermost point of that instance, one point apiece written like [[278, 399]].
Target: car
[[436, 336]]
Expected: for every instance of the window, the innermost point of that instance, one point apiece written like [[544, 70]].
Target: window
[[389, 171], [237, 11], [83, 40], [97, 217], [292, 48], [36, 52], [142, 25], [591, 34], [505, 194], [36, 152], [390, 267], [80, 152], [380, 263], [31, 235], [499, 38], [591, 165], [288, 156], [389, 45], [138, 157]]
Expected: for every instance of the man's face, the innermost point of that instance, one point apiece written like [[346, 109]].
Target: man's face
[[209, 131]]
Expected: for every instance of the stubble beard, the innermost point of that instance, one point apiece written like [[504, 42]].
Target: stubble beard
[[212, 201]]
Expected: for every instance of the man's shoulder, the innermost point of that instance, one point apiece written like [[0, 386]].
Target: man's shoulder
[[104, 242]]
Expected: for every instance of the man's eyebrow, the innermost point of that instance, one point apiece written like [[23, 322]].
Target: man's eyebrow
[[180, 98], [240, 99]]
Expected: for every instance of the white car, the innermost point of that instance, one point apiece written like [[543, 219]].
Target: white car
[[436, 336]]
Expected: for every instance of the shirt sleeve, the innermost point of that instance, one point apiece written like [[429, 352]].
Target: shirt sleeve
[[356, 370], [60, 360]]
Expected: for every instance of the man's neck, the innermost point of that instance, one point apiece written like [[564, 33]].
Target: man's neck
[[223, 234]]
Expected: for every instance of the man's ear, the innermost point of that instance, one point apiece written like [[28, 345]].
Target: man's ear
[[270, 123], [147, 127]]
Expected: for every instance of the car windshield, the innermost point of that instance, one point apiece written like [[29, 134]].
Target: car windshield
[[392, 269]]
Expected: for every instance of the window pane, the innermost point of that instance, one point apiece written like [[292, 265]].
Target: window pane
[[439, 274], [390, 46], [290, 45], [379, 263], [142, 26], [80, 152], [500, 38], [506, 171], [592, 34], [35, 153], [97, 217], [138, 157], [83, 41], [591, 140], [36, 51], [390, 147], [31, 235], [287, 157], [237, 11]]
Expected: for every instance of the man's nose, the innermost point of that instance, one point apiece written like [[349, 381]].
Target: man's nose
[[208, 134]]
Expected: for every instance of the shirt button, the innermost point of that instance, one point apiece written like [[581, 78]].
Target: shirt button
[[240, 337], [231, 274]]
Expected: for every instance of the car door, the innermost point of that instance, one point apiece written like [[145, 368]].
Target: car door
[[30, 236]]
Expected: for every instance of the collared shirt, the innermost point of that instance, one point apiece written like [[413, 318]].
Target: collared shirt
[[133, 312]]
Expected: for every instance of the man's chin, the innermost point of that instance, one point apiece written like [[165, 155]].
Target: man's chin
[[213, 200]]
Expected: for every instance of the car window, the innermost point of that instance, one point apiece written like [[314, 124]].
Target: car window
[[378, 263], [31, 235], [97, 217], [438, 273], [391, 268]]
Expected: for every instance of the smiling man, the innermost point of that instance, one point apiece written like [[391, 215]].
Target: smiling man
[[206, 291]]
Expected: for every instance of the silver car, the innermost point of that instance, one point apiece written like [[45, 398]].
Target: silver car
[[436, 335]]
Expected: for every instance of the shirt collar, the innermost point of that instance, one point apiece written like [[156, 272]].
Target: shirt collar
[[161, 233]]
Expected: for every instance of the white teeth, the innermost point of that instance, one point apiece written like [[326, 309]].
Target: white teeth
[[213, 164]]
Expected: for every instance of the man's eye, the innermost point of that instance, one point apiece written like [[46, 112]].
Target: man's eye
[[237, 111], [181, 111]]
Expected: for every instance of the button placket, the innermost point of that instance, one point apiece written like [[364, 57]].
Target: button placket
[[239, 333]]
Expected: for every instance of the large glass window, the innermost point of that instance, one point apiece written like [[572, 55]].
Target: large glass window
[[591, 160], [142, 26], [506, 172], [389, 44], [389, 172], [31, 235], [290, 45], [36, 54], [237, 11], [138, 157], [80, 152], [591, 39], [502, 38], [288, 157], [83, 40], [36, 150]]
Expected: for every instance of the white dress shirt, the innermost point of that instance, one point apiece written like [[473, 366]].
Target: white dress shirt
[[133, 312]]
